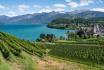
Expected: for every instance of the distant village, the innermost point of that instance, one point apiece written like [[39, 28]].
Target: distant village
[[94, 29]]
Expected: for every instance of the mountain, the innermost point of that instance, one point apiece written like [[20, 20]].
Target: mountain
[[36, 18], [3, 18], [48, 17], [90, 14]]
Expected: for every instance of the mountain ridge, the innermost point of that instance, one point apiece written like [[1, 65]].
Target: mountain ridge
[[48, 17]]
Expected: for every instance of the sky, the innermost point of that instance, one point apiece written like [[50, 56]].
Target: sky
[[20, 7]]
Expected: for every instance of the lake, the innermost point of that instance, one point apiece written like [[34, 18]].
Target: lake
[[31, 32]]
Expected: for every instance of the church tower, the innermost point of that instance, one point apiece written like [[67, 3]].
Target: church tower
[[96, 29]]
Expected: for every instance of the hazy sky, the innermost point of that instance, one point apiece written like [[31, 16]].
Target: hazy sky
[[20, 7]]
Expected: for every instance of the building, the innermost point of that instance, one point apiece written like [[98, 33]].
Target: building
[[94, 29], [98, 30]]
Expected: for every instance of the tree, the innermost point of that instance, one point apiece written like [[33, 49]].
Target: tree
[[42, 36], [81, 33], [47, 37]]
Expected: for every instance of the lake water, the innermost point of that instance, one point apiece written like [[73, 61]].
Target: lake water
[[31, 32]]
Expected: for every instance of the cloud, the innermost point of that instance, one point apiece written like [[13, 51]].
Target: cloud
[[11, 14], [59, 5], [46, 10], [98, 9], [73, 4], [56, 8], [23, 8], [37, 6], [85, 2], [2, 7], [82, 3], [59, 10]]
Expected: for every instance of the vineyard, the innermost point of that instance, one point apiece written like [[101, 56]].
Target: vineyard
[[14, 50], [87, 53], [11, 46]]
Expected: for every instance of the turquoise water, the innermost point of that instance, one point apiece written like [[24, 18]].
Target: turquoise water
[[31, 32]]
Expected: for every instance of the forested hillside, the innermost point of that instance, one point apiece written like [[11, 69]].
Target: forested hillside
[[75, 23]]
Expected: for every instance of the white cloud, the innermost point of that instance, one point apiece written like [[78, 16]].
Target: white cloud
[[82, 3], [59, 10], [2, 7], [60, 5], [11, 14], [23, 8], [98, 9], [73, 4], [55, 7], [48, 7], [37, 6], [85, 2], [45, 10]]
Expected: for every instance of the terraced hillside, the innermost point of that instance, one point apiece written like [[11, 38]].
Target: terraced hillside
[[10, 44], [13, 49]]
